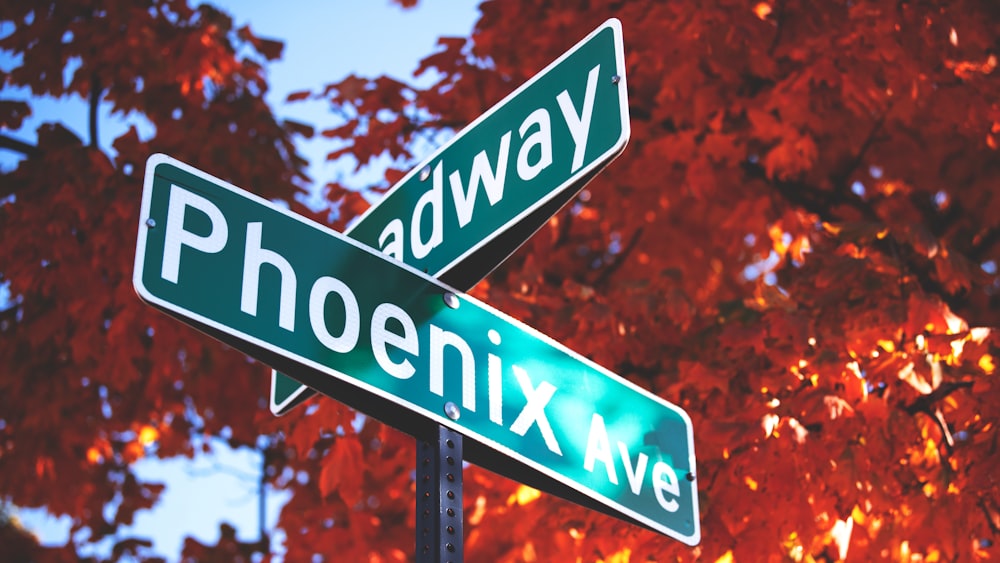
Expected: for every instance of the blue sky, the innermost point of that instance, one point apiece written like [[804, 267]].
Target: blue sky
[[325, 40]]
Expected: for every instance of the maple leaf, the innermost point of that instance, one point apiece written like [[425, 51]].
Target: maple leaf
[[339, 472], [299, 95]]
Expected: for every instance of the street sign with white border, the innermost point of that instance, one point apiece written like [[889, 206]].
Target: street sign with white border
[[370, 331]]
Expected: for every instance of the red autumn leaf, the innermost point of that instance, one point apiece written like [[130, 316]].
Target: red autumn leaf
[[299, 95], [339, 474], [393, 175]]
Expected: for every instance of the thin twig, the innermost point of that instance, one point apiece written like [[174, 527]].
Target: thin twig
[[95, 101]]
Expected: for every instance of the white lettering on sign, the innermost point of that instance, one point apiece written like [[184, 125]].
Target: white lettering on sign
[[494, 380], [636, 474], [534, 155], [403, 338], [599, 449], [439, 339], [533, 412], [465, 200], [348, 337], [381, 336], [579, 125], [392, 246], [664, 479], [177, 236], [432, 198], [541, 139], [253, 259], [396, 343]]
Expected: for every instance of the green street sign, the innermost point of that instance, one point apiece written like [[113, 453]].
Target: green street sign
[[391, 341], [567, 121], [469, 205]]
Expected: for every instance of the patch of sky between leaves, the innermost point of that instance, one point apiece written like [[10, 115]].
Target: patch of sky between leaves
[[5, 299]]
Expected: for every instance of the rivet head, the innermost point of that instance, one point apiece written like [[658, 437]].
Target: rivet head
[[451, 409], [616, 79], [690, 476], [451, 300], [150, 223], [425, 173]]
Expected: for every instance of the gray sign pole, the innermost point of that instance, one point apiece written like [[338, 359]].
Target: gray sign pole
[[439, 497]]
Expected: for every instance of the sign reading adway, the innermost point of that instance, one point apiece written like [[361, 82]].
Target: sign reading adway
[[564, 124], [270, 282], [536, 147]]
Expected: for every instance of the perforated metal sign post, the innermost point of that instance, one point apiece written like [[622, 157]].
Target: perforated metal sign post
[[439, 498]]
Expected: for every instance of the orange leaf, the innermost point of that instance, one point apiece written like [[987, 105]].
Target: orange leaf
[[297, 96], [343, 471]]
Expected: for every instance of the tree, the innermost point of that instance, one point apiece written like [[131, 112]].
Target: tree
[[92, 380], [799, 246]]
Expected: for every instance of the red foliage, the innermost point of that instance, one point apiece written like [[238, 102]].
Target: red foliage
[[799, 246]]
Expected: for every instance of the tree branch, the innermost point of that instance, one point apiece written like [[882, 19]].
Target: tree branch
[[620, 259], [924, 402], [10, 143], [991, 513], [95, 101], [780, 26], [840, 180], [262, 498], [822, 203], [815, 201], [980, 248]]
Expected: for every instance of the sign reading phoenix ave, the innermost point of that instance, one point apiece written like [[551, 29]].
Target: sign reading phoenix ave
[[504, 175], [274, 284]]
